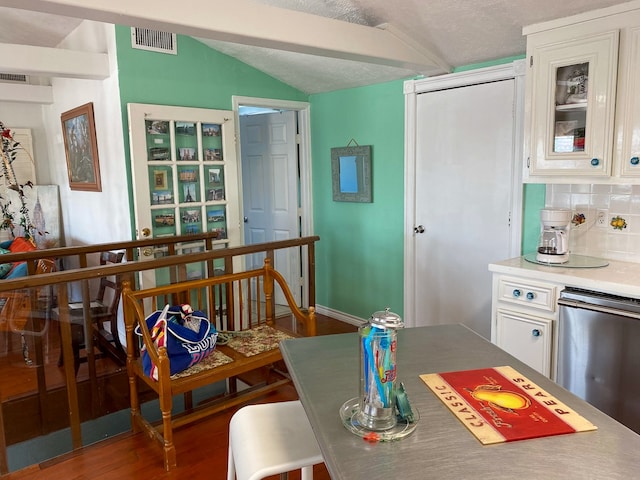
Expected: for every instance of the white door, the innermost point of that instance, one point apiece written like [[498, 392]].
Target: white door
[[185, 176], [270, 189], [464, 177]]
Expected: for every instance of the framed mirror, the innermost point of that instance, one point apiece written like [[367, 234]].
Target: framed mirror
[[351, 174]]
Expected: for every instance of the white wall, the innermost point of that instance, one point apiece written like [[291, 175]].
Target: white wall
[[91, 217], [29, 115]]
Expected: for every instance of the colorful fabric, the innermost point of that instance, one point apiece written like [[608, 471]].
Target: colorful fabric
[[21, 244], [186, 334], [16, 269], [5, 267]]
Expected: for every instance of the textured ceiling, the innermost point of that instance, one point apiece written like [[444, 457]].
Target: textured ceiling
[[460, 32]]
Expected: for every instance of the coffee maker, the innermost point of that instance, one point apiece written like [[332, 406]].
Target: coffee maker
[[553, 246]]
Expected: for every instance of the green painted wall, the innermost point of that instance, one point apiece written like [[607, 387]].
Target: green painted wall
[[491, 63], [196, 77], [359, 263], [360, 255], [359, 267], [532, 201]]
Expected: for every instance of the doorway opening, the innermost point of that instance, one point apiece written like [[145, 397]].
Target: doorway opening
[[275, 170]]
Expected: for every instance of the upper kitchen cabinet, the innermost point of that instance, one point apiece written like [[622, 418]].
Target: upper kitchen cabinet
[[628, 114], [573, 84], [582, 107]]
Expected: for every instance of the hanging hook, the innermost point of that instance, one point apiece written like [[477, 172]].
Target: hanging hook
[[354, 141]]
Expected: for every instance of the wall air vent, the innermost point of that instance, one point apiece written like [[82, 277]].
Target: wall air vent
[[154, 40], [14, 78]]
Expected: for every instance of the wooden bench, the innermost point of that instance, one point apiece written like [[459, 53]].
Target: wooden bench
[[242, 308]]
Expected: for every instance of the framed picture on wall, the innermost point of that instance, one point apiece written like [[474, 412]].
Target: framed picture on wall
[[81, 148]]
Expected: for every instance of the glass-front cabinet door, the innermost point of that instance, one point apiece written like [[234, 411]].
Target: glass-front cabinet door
[[573, 100], [185, 175], [629, 107]]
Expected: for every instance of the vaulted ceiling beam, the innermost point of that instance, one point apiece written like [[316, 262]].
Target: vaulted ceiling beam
[[26, 93], [248, 23], [53, 62]]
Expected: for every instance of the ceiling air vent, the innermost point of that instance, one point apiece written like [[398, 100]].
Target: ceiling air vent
[[153, 40], [13, 77]]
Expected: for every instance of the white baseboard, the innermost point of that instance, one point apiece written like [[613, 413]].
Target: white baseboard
[[338, 315]]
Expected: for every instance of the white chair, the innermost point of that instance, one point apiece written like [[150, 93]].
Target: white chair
[[271, 439]]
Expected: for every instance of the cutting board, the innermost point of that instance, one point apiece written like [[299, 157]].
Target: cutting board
[[501, 405]]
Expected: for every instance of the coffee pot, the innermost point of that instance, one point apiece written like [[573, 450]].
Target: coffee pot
[[553, 245]]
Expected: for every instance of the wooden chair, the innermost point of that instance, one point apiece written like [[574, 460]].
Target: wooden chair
[[27, 312], [104, 310], [103, 313]]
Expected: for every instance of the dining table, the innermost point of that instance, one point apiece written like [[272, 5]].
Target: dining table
[[326, 373]]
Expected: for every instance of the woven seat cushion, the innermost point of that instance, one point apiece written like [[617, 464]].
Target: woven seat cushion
[[257, 340], [215, 359]]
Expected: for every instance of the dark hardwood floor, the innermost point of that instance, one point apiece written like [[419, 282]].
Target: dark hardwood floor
[[201, 447]]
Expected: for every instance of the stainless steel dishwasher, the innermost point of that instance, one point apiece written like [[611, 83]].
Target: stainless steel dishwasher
[[599, 352]]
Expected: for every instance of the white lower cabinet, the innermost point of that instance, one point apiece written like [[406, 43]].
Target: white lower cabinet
[[524, 320], [527, 338]]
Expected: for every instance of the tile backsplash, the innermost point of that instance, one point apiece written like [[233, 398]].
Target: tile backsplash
[[606, 219]]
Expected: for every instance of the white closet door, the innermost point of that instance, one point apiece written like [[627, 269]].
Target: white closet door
[[464, 167]]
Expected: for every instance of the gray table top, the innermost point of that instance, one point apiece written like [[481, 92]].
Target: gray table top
[[325, 371]]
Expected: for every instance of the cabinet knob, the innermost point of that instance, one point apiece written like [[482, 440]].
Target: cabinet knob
[[595, 162], [517, 293], [535, 332], [531, 295], [634, 161]]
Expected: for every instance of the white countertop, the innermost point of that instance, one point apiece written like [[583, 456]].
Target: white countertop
[[617, 278]]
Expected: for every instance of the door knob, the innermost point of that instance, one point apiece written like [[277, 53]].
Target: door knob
[[418, 229], [146, 232], [246, 219], [147, 252]]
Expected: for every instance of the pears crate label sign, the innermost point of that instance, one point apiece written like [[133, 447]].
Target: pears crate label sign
[[501, 405]]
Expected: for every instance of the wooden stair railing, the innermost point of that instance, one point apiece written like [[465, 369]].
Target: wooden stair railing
[[128, 271]]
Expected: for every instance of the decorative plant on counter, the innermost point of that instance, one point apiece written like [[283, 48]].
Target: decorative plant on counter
[[10, 149]]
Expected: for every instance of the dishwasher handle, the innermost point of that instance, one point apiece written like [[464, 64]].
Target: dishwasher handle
[[597, 308]]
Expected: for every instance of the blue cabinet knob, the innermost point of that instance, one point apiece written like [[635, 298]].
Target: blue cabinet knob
[[531, 295], [517, 293], [595, 162], [535, 332], [634, 161]]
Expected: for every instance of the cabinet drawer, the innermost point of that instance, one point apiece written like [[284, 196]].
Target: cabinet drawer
[[536, 295]]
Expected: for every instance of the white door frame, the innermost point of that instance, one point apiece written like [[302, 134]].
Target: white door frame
[[412, 88], [304, 142]]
